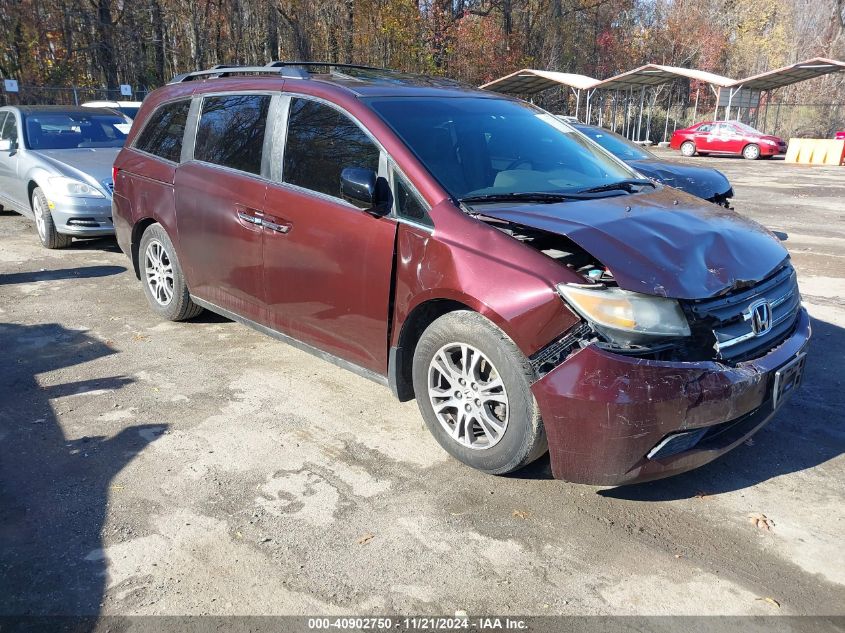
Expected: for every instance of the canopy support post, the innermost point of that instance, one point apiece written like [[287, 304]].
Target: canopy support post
[[640, 119], [668, 110], [613, 115], [695, 107]]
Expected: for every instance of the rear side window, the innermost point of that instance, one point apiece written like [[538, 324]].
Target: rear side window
[[321, 142], [162, 135], [231, 131]]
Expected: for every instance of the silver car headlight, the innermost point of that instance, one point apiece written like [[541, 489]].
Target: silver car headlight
[[624, 316], [70, 187]]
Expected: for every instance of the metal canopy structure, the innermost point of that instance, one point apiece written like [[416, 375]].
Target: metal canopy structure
[[529, 82], [730, 93], [788, 75], [652, 75]]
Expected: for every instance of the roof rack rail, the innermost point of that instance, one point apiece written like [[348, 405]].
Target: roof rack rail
[[283, 64], [290, 70], [225, 70]]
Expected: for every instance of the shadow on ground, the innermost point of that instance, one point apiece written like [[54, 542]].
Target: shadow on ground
[[808, 431], [54, 489], [86, 272]]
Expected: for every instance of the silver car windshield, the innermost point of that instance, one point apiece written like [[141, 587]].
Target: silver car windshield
[[70, 130], [477, 146]]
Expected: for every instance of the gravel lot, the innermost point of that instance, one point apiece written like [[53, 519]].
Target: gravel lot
[[149, 467]]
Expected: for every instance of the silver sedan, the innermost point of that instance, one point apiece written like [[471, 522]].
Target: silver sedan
[[56, 167]]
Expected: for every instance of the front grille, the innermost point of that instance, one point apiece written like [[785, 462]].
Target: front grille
[[729, 317]]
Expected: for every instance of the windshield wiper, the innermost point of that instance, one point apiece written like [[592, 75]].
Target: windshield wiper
[[625, 185], [524, 196]]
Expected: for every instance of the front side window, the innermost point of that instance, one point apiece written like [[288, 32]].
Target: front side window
[[231, 131], [476, 146], [321, 142], [162, 135], [408, 205], [8, 127], [72, 130]]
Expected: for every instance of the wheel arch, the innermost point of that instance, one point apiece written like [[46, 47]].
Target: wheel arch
[[137, 231], [401, 355], [426, 310]]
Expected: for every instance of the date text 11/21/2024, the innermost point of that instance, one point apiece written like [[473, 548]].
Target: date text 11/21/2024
[[422, 623]]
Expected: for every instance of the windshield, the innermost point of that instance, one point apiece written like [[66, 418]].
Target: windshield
[[130, 111], [479, 146], [69, 130], [617, 145]]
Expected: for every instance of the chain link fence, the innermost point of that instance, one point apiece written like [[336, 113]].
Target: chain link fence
[[65, 95]]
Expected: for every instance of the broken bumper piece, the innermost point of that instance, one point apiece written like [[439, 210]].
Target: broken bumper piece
[[613, 419]]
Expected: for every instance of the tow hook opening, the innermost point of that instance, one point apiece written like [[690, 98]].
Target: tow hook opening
[[675, 443]]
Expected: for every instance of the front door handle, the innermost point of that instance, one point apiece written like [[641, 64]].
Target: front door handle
[[246, 217], [273, 226]]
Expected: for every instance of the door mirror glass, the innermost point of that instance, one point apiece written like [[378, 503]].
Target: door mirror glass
[[364, 189], [6, 145]]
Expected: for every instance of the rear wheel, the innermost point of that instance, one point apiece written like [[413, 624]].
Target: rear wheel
[[751, 151], [47, 233], [688, 148], [472, 384], [162, 277]]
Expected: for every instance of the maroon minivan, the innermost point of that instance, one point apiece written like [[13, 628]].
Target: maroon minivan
[[470, 250]]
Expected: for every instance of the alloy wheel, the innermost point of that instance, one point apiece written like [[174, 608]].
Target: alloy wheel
[[468, 396], [159, 272], [38, 210]]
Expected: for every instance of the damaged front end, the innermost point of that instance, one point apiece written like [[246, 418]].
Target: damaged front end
[[646, 386]]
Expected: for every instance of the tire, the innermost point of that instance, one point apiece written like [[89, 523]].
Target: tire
[[44, 224], [688, 149], [751, 151], [520, 438], [162, 277]]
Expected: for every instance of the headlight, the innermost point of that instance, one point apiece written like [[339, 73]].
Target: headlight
[[63, 186], [769, 141], [627, 317]]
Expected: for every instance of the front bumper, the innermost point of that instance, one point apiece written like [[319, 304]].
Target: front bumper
[[772, 150], [604, 413], [82, 217]]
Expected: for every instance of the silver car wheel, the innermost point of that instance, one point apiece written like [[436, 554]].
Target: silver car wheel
[[468, 396], [159, 272], [688, 149], [38, 210]]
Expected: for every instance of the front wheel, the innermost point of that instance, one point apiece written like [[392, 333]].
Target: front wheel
[[472, 385], [47, 233], [751, 152], [162, 277], [688, 149]]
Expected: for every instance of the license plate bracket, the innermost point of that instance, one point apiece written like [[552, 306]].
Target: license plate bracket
[[787, 379]]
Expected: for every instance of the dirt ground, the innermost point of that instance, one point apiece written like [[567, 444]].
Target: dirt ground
[[149, 467]]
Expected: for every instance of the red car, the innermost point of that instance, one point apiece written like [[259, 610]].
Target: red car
[[471, 251], [840, 135], [727, 137]]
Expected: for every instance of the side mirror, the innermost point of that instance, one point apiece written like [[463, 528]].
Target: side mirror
[[6, 145], [364, 189]]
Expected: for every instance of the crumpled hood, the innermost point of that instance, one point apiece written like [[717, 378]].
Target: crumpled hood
[[689, 250], [699, 181], [92, 165]]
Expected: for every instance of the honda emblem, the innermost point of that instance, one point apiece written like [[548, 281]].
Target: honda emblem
[[761, 317]]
